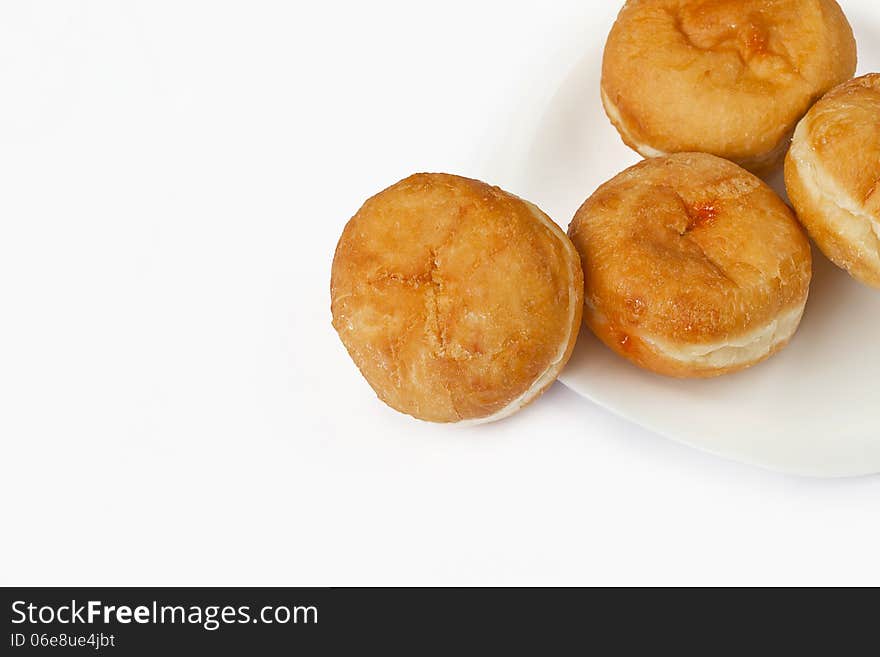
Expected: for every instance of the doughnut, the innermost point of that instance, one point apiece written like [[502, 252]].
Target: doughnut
[[693, 267], [458, 302], [727, 77], [832, 174]]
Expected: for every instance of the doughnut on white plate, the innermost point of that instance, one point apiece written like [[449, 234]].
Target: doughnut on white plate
[[813, 409]]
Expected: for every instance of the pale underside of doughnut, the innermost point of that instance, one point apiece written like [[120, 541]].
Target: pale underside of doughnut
[[729, 354], [759, 163], [742, 350], [616, 117]]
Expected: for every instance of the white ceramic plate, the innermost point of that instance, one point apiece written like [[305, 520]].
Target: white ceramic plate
[[814, 409]]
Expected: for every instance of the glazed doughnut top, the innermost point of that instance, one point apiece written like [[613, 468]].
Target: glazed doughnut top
[[843, 130], [692, 248], [454, 297], [737, 73]]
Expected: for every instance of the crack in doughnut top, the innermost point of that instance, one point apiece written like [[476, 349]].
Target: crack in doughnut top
[[832, 173], [728, 77], [692, 265], [457, 300]]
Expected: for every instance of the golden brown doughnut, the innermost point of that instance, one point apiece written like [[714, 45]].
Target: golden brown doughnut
[[693, 267], [832, 174], [457, 301], [728, 77]]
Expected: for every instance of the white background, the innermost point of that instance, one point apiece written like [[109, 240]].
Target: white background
[[175, 407]]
